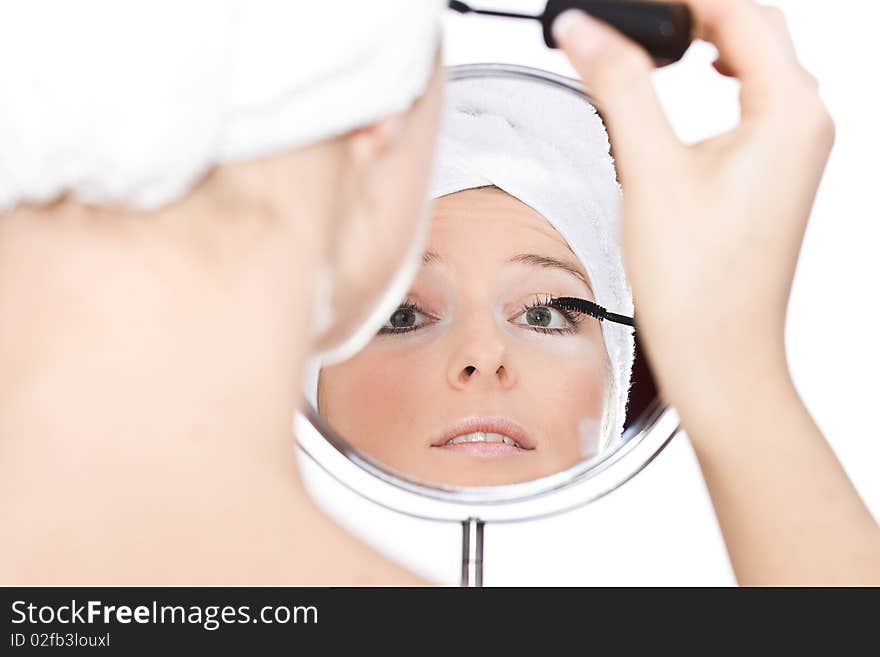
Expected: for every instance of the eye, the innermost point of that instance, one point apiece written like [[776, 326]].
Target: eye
[[407, 317], [544, 318]]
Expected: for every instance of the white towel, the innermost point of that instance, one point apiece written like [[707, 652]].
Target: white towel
[[129, 103]]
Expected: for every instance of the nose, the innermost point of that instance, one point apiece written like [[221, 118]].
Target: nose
[[480, 358]]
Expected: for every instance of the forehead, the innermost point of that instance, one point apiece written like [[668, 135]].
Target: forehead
[[491, 222]]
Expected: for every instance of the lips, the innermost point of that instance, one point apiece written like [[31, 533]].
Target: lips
[[485, 436]]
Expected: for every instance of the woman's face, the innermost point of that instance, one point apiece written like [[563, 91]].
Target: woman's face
[[474, 350]]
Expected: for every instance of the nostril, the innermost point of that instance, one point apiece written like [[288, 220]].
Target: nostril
[[469, 370]]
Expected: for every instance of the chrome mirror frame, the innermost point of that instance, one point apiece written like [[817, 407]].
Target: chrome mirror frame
[[550, 495]]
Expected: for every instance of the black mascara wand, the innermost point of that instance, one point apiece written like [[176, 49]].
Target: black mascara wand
[[664, 29], [592, 309], [462, 8]]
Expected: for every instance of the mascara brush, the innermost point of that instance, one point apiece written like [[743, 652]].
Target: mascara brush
[[664, 29], [592, 309]]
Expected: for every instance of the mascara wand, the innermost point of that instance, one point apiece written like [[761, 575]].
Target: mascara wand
[[592, 309], [664, 29], [462, 8]]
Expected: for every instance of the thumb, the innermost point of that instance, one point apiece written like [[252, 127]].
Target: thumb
[[617, 75]]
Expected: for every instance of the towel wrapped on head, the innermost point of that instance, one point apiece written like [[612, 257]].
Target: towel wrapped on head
[[130, 103]]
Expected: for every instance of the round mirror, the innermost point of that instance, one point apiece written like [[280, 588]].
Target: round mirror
[[508, 384]]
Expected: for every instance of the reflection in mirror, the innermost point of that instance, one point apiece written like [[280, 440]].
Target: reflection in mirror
[[499, 365]]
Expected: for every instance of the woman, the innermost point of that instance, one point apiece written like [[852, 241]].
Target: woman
[[480, 377], [146, 384], [170, 217]]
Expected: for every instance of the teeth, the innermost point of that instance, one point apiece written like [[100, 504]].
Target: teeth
[[483, 437]]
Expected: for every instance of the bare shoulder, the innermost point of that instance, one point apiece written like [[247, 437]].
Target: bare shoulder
[[336, 558], [281, 540]]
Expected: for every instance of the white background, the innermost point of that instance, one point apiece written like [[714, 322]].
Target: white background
[[659, 528]]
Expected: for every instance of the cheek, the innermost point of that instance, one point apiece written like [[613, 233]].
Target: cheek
[[587, 380], [369, 399], [575, 366], [574, 378], [566, 384]]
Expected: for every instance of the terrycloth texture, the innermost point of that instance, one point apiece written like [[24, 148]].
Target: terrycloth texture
[[548, 148], [129, 103]]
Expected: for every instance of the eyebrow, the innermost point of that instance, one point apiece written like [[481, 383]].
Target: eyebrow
[[532, 259], [551, 263]]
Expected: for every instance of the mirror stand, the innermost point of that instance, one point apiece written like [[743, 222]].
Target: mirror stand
[[472, 552]]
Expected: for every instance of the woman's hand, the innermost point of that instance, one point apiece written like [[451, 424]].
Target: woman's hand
[[711, 236], [711, 232]]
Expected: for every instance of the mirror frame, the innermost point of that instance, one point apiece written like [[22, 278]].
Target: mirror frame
[[556, 493]]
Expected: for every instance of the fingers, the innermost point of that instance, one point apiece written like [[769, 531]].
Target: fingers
[[753, 42], [776, 19], [617, 73], [754, 45]]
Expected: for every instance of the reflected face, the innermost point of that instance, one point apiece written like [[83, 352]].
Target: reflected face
[[476, 379]]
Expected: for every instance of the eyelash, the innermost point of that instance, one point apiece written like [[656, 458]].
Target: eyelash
[[546, 302], [540, 302], [407, 305]]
